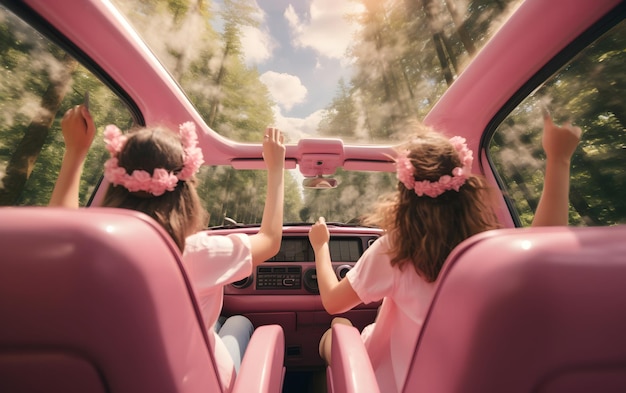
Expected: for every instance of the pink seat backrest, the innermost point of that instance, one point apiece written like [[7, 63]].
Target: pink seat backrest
[[95, 300], [528, 310]]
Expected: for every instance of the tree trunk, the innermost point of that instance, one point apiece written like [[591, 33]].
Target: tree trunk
[[443, 60], [457, 18], [21, 164], [215, 102], [438, 40]]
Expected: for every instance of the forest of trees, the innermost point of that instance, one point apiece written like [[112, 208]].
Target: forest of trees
[[588, 91], [406, 55]]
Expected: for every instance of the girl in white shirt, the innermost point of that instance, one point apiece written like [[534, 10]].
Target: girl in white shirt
[[438, 204], [152, 170]]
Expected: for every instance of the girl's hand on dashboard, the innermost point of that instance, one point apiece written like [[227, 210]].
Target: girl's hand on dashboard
[[318, 234]]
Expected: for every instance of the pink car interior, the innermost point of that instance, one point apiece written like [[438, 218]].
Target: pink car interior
[[516, 310], [96, 300]]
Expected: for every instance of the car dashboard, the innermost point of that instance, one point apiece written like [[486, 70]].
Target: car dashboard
[[283, 290]]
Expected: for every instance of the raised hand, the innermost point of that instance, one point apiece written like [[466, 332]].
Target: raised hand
[[559, 142], [266, 243], [78, 131], [274, 149]]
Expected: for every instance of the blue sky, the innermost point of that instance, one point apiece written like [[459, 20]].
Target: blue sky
[[299, 51]]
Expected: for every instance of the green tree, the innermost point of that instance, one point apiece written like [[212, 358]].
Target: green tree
[[589, 90], [228, 94], [39, 83], [405, 55]]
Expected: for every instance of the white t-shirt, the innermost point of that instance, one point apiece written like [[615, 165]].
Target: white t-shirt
[[211, 263], [391, 339]]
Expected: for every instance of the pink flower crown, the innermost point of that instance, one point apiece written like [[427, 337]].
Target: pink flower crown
[[405, 172], [160, 180]]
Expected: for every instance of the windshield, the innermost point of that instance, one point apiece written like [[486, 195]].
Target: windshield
[[358, 70], [355, 69]]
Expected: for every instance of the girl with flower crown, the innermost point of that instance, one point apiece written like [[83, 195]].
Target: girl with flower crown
[[438, 204], [152, 170]]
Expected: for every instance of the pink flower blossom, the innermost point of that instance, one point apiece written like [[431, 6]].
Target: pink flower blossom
[[139, 180], [113, 139], [193, 161], [404, 170], [112, 172], [162, 181]]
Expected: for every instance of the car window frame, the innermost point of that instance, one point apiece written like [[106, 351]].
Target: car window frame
[[562, 58]]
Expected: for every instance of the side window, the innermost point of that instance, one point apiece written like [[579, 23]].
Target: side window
[[38, 82], [591, 92]]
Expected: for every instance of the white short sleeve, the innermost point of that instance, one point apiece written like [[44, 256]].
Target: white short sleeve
[[372, 277], [215, 261]]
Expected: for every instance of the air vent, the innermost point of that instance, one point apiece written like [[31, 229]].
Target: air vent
[[241, 284], [310, 281], [342, 270], [371, 241]]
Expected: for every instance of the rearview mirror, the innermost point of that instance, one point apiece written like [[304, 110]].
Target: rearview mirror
[[319, 182]]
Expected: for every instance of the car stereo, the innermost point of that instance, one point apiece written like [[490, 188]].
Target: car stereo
[[278, 277]]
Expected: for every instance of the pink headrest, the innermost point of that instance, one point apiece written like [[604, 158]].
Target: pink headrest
[[528, 310], [96, 300]]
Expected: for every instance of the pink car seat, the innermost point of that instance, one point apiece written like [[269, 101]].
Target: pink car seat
[[96, 300], [518, 310]]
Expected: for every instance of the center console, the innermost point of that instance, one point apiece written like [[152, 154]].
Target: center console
[[292, 269], [284, 290]]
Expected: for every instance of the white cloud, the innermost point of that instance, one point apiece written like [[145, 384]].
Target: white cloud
[[327, 30], [287, 90], [297, 128], [257, 45]]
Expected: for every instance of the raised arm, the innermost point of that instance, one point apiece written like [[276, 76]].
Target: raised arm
[[266, 243], [78, 131], [337, 296], [559, 143]]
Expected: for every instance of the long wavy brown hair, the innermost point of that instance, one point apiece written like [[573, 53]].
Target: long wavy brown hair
[[424, 230], [180, 211]]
